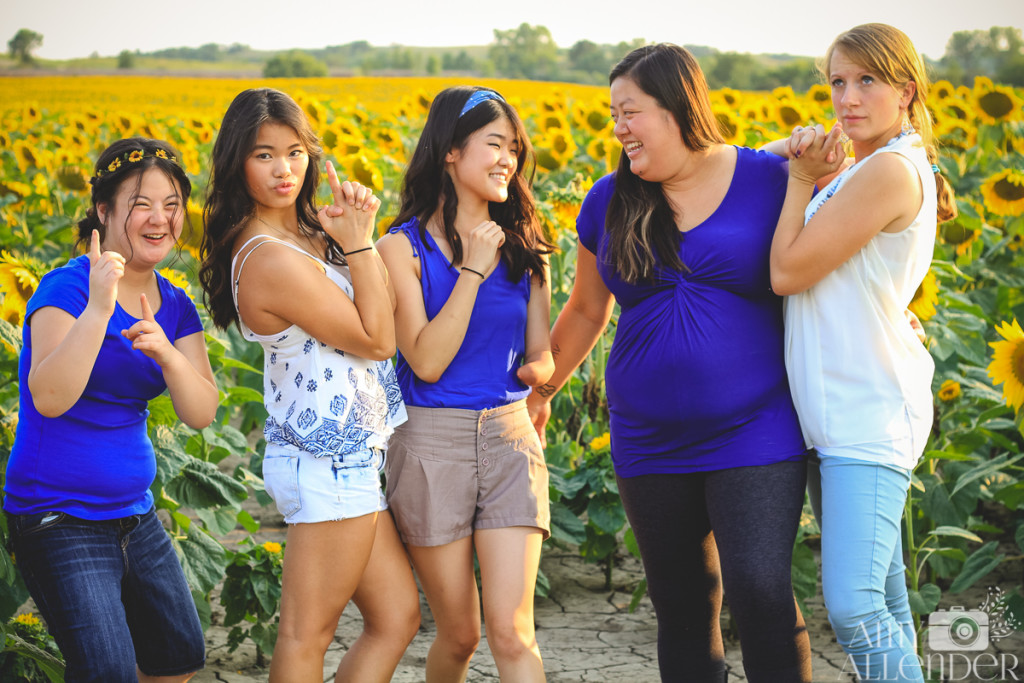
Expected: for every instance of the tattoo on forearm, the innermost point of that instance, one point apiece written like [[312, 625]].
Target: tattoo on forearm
[[545, 390], [555, 350]]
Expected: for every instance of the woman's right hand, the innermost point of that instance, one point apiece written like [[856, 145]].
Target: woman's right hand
[[482, 246], [350, 220], [815, 154], [539, 409], [105, 271]]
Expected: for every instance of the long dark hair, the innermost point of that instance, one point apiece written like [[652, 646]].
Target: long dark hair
[[125, 161], [428, 184], [640, 222], [888, 52], [228, 204]]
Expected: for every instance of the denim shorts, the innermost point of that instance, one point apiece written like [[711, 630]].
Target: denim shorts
[[112, 593], [308, 489]]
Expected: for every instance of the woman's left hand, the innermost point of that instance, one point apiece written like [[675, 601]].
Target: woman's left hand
[[147, 336]]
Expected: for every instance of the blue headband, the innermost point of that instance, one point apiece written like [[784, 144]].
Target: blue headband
[[478, 97]]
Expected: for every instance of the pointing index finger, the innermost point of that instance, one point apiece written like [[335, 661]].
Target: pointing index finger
[[94, 246], [147, 311]]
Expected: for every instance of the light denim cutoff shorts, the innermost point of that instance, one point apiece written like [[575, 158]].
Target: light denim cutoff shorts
[[308, 489]]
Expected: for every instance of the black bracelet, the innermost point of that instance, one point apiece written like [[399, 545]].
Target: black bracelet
[[355, 251], [482, 276]]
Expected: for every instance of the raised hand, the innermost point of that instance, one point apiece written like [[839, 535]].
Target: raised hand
[[482, 246], [350, 219], [815, 154], [148, 337], [105, 271]]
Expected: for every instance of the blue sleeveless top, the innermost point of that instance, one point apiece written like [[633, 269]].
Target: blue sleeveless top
[[483, 373], [696, 379]]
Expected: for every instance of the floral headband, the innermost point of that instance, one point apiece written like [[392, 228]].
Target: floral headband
[[478, 97], [131, 157]]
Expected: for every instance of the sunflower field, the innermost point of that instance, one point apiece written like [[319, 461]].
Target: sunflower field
[[964, 517]]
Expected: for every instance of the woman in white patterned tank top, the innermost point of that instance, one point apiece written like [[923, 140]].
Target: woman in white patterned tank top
[[309, 287]]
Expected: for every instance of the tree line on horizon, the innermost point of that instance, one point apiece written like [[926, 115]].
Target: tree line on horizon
[[530, 52]]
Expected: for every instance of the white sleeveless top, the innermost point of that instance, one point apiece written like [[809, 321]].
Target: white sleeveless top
[[858, 373], [320, 399]]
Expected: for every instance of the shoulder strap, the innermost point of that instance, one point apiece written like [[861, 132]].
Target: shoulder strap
[[266, 239]]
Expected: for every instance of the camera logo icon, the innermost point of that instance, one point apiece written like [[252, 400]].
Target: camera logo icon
[[958, 629]]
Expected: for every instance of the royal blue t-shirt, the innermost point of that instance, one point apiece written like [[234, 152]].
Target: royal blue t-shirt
[[696, 378], [483, 373], [95, 461]]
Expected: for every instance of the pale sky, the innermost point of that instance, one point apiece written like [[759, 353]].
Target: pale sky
[[72, 28]]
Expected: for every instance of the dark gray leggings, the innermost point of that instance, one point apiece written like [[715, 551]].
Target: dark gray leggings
[[735, 527]]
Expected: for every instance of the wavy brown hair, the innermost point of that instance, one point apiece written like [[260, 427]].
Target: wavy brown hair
[[428, 185], [888, 53], [641, 224], [228, 204]]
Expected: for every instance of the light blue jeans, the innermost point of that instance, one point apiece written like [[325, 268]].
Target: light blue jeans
[[859, 506]]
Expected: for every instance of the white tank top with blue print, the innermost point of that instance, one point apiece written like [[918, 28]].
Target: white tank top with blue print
[[320, 399]]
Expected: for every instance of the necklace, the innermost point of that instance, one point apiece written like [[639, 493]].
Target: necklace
[[286, 236]]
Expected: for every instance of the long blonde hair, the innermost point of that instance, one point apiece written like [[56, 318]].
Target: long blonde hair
[[887, 52]]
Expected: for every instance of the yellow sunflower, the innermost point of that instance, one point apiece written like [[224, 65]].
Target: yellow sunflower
[[27, 619], [1004, 192], [18, 281], [160, 153], [958, 235], [998, 104], [925, 298], [941, 90], [72, 177], [949, 391], [601, 442], [1007, 367], [136, 155], [272, 547]]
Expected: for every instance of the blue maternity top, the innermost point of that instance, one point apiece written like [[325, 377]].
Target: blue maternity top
[[696, 379]]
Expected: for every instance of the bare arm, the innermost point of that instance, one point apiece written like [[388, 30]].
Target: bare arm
[[575, 332], [280, 287], [885, 195], [65, 348], [539, 363], [185, 366], [429, 346]]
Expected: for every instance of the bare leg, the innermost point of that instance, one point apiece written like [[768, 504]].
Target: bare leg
[[323, 565], [509, 558], [446, 574], [389, 602]]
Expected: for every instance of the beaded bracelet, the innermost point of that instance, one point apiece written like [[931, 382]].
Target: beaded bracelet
[[477, 272], [355, 251]]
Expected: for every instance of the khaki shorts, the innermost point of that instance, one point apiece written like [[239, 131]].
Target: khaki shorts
[[451, 471]]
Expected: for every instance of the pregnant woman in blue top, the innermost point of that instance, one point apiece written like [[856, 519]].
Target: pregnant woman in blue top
[[704, 438], [104, 334]]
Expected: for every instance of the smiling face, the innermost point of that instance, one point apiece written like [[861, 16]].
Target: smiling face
[[870, 110], [649, 135], [483, 167], [276, 167], [144, 220]]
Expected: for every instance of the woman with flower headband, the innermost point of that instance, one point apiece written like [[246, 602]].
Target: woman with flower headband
[[308, 286], [103, 335], [849, 260], [466, 473]]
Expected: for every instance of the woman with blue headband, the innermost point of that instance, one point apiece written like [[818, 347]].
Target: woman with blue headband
[[466, 472]]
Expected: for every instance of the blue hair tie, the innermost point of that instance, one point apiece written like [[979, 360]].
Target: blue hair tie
[[478, 97], [936, 169]]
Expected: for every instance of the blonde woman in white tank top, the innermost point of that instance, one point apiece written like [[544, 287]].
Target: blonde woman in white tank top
[[849, 260]]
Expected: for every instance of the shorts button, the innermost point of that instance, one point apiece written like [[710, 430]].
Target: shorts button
[[483, 431], [484, 446], [485, 462]]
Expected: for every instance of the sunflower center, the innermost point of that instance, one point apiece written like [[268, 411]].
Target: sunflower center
[[1017, 363], [996, 104], [790, 116], [1008, 190]]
